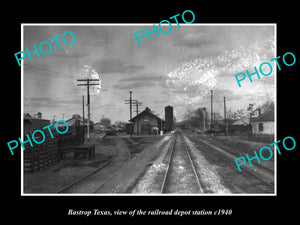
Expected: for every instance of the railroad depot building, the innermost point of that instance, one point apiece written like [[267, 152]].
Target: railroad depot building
[[146, 123]]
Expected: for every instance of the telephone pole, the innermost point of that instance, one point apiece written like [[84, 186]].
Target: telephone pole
[[83, 122], [130, 107], [211, 113], [225, 119], [130, 102], [137, 104], [88, 84], [204, 118]]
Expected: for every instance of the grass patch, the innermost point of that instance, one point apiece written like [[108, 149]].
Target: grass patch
[[97, 163], [237, 147], [107, 141], [258, 138], [133, 148]]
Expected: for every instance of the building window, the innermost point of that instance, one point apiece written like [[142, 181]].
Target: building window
[[260, 127]]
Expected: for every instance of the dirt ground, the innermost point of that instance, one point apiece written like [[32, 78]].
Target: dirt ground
[[235, 181], [124, 181], [143, 151], [69, 170]]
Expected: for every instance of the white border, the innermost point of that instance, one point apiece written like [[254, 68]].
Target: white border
[[144, 24]]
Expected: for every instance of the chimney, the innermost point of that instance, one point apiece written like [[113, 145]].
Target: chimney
[[39, 115]]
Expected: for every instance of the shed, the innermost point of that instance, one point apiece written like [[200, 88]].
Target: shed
[[239, 127], [33, 123]]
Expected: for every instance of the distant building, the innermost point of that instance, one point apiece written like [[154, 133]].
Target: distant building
[[146, 123], [238, 127], [77, 119], [264, 123], [34, 123], [169, 118], [101, 127]]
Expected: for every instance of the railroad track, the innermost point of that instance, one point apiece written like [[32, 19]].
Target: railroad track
[[94, 181], [180, 175], [263, 174], [270, 186], [98, 189]]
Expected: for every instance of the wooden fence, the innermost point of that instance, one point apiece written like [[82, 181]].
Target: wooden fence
[[52, 150]]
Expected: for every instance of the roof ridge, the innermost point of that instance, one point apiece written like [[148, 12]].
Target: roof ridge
[[268, 115]]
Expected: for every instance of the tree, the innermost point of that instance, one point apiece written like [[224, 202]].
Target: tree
[[174, 120], [121, 125], [105, 120], [268, 105], [217, 117], [195, 118], [245, 114], [230, 114]]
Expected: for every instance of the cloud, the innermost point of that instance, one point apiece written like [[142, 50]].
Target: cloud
[[142, 80], [133, 85], [133, 68], [161, 101], [197, 39], [37, 99], [145, 77], [116, 66], [245, 57], [35, 67], [47, 102], [63, 50], [90, 73], [192, 81]]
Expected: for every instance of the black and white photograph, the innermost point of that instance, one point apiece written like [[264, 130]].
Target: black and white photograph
[[144, 113], [129, 109]]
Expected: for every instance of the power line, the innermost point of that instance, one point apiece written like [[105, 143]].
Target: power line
[[88, 84], [137, 104], [55, 72], [130, 101]]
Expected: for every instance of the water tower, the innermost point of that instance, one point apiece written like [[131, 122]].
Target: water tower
[[169, 118]]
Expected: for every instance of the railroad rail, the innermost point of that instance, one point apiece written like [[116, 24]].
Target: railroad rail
[[268, 184], [181, 175], [254, 172], [97, 190], [93, 181]]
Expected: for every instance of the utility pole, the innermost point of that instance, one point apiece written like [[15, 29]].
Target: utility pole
[[211, 106], [130, 101], [204, 118], [88, 100], [225, 119], [83, 122], [137, 104]]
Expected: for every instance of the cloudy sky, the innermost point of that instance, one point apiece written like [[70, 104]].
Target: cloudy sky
[[179, 68]]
